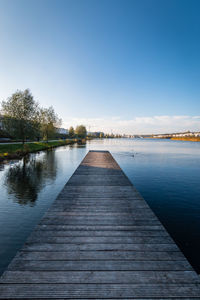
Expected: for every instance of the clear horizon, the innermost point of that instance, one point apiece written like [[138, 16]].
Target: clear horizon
[[128, 67]]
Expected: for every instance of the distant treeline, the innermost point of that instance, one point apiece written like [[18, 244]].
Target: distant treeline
[[23, 119]]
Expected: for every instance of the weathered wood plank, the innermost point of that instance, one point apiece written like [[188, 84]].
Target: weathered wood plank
[[105, 291], [98, 247], [102, 215], [95, 205], [101, 255], [121, 218], [91, 208], [91, 233], [96, 265], [100, 221], [100, 227], [101, 240], [99, 277]]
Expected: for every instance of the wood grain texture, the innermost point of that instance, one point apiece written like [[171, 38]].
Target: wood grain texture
[[99, 240]]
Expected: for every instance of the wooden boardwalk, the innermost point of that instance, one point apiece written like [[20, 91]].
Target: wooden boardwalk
[[99, 240]]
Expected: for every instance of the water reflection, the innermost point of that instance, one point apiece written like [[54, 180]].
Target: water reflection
[[26, 178]]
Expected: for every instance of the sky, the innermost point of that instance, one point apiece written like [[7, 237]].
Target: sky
[[113, 65]]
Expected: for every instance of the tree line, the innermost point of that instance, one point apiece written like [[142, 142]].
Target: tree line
[[23, 119]]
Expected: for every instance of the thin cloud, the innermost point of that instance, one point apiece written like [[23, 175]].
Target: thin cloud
[[139, 125]]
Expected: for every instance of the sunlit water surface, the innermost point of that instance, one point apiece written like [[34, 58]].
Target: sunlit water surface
[[166, 173]]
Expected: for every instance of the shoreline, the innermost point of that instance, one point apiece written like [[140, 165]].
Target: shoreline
[[186, 139], [17, 151], [189, 139]]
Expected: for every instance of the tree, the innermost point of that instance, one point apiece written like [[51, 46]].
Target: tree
[[101, 135], [81, 131], [71, 132], [20, 115], [48, 122]]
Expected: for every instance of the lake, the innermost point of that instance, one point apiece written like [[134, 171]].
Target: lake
[[166, 173]]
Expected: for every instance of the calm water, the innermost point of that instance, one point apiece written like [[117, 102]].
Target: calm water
[[166, 173]]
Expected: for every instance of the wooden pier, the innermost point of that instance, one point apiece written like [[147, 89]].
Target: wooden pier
[[99, 240]]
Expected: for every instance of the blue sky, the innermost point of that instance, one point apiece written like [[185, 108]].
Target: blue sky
[[127, 66]]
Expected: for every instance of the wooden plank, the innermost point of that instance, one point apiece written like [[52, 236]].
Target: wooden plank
[[96, 265], [100, 227], [122, 218], [98, 247], [91, 233], [100, 221], [103, 215], [105, 291], [101, 255], [95, 205], [116, 191], [90, 207], [99, 277], [99, 240]]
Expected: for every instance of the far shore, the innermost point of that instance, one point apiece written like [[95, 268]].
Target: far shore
[[184, 138], [190, 139]]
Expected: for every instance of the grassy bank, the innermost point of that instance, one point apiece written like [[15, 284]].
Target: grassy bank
[[187, 138], [8, 151]]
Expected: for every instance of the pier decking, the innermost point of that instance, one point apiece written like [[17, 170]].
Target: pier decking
[[99, 240]]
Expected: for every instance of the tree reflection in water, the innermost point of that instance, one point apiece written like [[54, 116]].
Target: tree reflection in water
[[26, 178]]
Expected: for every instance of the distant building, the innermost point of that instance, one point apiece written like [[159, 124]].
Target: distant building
[[177, 134], [62, 131], [197, 134]]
